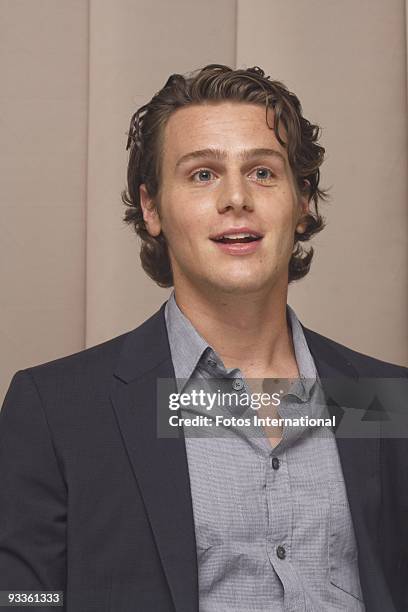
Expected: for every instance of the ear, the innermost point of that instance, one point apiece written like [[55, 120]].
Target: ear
[[304, 208], [150, 214]]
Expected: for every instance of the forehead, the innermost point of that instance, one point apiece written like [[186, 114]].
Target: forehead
[[230, 126]]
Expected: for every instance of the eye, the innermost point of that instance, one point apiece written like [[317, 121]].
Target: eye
[[262, 174], [202, 176]]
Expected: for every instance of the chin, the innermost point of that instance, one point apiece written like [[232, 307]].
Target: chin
[[240, 286]]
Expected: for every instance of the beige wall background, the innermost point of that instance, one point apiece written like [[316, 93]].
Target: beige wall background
[[73, 73]]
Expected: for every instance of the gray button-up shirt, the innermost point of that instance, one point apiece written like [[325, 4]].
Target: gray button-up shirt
[[273, 526]]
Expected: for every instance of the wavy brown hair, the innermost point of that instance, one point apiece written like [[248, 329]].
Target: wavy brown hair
[[217, 83]]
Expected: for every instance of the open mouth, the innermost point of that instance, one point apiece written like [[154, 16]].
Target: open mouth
[[244, 242], [237, 238]]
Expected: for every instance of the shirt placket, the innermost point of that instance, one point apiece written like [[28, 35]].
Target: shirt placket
[[279, 519], [280, 528]]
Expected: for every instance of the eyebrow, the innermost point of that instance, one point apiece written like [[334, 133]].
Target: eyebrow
[[221, 155]]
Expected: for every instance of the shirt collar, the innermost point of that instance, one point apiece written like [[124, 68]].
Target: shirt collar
[[305, 362], [187, 346]]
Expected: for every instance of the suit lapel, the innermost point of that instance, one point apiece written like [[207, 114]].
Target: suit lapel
[[360, 461], [359, 456], [159, 464]]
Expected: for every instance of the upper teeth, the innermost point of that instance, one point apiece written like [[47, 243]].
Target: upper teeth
[[239, 236]]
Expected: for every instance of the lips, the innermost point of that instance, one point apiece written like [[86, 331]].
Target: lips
[[238, 240], [241, 235]]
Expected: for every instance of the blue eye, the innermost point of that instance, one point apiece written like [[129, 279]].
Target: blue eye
[[202, 176], [263, 174]]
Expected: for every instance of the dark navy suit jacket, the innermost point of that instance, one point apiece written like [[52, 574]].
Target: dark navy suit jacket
[[94, 503]]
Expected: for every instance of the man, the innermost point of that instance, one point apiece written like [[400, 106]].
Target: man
[[98, 502]]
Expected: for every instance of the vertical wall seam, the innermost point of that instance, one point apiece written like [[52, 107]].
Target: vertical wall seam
[[236, 34], [86, 215], [405, 7]]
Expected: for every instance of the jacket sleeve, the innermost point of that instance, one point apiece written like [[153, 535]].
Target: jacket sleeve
[[33, 495]]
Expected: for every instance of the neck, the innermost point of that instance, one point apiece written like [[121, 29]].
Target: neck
[[248, 331]]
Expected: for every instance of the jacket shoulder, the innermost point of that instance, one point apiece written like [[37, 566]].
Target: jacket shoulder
[[89, 373], [96, 357], [364, 364], [100, 357]]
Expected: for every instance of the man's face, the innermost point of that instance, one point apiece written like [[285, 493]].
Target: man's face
[[228, 204]]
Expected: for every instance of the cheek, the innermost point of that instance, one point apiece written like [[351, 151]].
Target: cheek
[[185, 215], [281, 214], [281, 220], [184, 225]]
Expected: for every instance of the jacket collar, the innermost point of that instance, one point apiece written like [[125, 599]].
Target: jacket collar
[[329, 361], [144, 348]]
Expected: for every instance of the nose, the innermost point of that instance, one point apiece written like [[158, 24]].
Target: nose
[[234, 194]]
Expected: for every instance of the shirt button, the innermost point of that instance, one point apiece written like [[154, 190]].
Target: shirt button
[[275, 463], [237, 384], [280, 552]]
